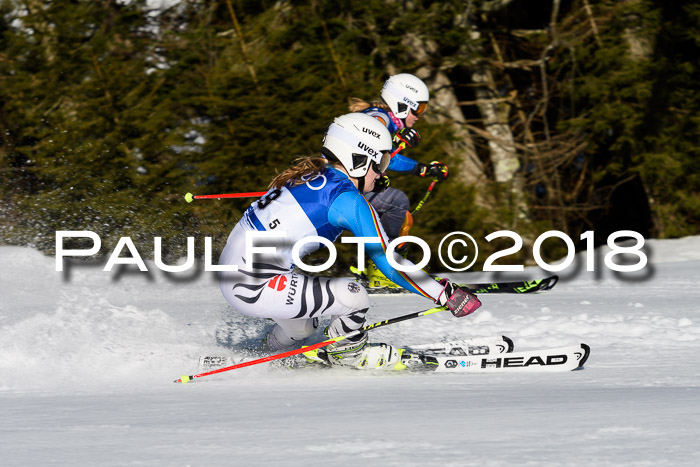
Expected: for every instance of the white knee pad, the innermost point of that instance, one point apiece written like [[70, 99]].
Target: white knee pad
[[352, 304], [350, 294]]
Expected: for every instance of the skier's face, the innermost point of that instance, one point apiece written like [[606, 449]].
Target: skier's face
[[414, 115], [411, 119], [371, 178]]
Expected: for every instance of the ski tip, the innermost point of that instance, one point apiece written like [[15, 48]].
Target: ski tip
[[509, 342], [189, 197], [183, 379], [552, 281], [587, 352], [584, 357]]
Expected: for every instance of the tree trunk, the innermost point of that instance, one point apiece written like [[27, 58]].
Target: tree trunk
[[494, 116], [502, 151], [444, 108]]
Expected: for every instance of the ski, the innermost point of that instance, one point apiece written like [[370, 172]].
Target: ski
[[559, 359], [486, 355], [519, 287], [210, 362], [465, 348], [213, 362], [476, 346], [537, 285]]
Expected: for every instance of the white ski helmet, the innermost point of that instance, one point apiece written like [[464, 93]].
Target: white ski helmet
[[357, 140], [405, 92]]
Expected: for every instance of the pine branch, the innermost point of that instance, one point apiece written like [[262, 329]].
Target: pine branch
[[239, 33], [334, 57], [591, 19]]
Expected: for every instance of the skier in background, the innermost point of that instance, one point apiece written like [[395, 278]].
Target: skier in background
[[322, 196], [404, 99]]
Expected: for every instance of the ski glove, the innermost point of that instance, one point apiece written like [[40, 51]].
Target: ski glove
[[408, 137], [381, 184], [459, 300], [435, 169]]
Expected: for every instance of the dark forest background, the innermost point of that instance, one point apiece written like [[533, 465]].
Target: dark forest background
[[573, 115]]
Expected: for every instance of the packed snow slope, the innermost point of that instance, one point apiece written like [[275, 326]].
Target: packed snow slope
[[88, 359]]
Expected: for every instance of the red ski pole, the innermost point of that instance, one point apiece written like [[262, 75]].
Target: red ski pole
[[189, 197], [183, 379]]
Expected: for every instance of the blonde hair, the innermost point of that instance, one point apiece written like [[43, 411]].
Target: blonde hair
[[358, 105], [304, 169]]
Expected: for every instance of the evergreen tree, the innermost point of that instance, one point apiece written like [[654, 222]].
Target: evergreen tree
[[110, 112]]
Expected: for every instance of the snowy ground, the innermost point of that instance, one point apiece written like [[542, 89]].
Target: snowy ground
[[87, 361]]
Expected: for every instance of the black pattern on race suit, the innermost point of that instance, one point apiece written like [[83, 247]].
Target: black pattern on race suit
[[314, 297], [331, 298], [260, 271], [318, 286], [348, 324], [317, 290]]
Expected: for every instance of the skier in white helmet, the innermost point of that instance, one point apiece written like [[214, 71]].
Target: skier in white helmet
[[404, 99], [322, 196]]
